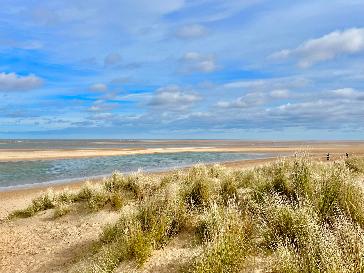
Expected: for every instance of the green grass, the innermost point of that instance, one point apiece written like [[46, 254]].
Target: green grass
[[93, 198], [355, 164], [291, 215], [41, 203]]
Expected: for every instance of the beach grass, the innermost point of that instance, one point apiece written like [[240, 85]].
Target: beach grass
[[291, 215]]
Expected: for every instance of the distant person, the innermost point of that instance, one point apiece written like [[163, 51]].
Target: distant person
[[347, 155], [328, 156]]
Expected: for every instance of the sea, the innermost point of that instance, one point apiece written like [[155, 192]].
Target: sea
[[22, 174]]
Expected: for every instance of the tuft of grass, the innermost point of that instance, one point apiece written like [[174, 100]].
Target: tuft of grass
[[61, 210], [94, 198], [157, 219], [285, 223], [116, 201], [229, 188], [132, 184], [41, 203], [229, 241], [245, 178], [355, 164], [199, 188]]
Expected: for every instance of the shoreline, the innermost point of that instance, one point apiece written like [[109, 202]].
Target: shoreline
[[77, 182], [14, 199], [11, 155], [35, 155]]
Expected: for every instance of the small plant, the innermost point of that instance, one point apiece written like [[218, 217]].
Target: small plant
[[199, 189], [226, 251], [132, 185], [229, 188], [44, 202], [116, 201], [61, 210], [355, 164], [285, 223]]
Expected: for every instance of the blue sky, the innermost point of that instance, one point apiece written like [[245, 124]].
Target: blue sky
[[247, 69]]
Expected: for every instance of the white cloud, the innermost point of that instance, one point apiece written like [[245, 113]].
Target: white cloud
[[112, 59], [191, 31], [102, 106], [254, 99], [280, 94], [173, 98], [269, 84], [193, 61], [347, 93], [98, 87], [247, 101], [327, 47], [11, 82]]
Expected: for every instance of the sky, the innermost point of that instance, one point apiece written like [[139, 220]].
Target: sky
[[201, 69]]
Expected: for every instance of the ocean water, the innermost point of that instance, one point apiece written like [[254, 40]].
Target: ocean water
[[28, 173]]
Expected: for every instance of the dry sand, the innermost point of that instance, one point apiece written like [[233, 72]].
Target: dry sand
[[41, 244]]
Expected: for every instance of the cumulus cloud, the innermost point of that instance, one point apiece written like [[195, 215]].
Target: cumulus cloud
[[333, 109], [173, 98], [191, 31], [98, 87], [194, 61], [325, 48], [11, 82], [112, 59]]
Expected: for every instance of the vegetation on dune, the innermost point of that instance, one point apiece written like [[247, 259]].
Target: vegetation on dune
[[292, 215]]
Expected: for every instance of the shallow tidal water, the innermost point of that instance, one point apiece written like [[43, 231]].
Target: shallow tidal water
[[28, 173]]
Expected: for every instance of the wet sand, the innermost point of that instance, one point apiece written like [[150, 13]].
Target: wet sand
[[356, 147]]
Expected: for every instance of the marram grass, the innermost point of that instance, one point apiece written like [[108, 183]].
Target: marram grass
[[292, 215]]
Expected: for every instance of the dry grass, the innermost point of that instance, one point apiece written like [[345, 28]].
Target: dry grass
[[293, 215]]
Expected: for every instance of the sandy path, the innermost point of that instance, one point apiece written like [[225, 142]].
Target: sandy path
[[41, 244]]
